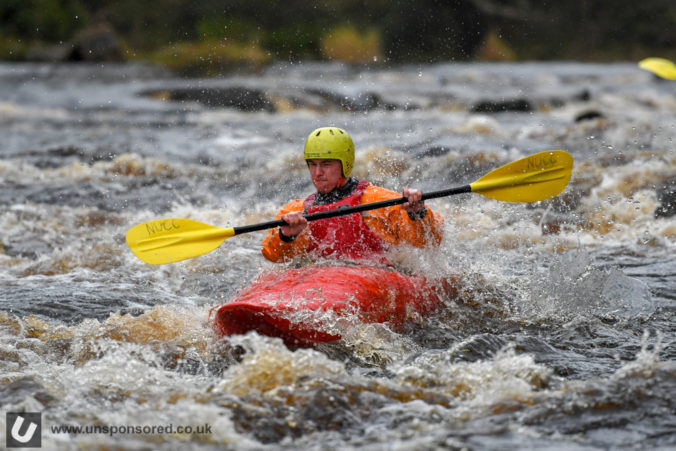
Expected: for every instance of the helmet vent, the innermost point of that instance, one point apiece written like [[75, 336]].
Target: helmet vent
[[331, 131]]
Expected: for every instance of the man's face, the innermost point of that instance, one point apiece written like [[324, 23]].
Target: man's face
[[325, 174]]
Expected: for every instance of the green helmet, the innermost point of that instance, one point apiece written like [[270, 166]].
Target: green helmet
[[331, 143]]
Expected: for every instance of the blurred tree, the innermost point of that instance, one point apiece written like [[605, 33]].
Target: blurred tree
[[584, 29], [408, 30], [432, 30], [44, 20]]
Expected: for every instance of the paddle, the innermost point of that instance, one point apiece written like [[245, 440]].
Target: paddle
[[660, 67], [531, 179]]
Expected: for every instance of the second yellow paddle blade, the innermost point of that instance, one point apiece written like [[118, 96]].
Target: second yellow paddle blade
[[174, 239], [534, 178], [660, 67]]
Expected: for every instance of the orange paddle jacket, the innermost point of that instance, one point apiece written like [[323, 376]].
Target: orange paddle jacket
[[392, 224]]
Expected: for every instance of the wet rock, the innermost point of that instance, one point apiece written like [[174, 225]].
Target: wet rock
[[589, 115], [434, 151], [666, 194], [360, 102], [97, 43], [500, 106], [364, 101], [583, 96], [560, 101], [244, 99]]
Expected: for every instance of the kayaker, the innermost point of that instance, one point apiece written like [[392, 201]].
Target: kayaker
[[329, 154]]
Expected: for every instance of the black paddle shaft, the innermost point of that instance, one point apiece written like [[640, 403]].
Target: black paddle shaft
[[342, 211]]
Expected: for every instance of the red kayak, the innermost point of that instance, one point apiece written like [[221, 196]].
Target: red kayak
[[304, 305]]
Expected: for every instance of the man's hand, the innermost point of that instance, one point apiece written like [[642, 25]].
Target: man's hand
[[415, 203], [296, 223]]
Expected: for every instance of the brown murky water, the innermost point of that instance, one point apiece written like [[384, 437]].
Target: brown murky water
[[563, 338]]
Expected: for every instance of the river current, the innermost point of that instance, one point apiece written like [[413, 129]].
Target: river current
[[563, 335]]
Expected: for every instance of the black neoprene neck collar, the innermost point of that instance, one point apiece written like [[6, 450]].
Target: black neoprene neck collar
[[338, 193]]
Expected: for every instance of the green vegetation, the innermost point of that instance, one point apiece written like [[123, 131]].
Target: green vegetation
[[349, 45], [211, 37], [209, 57], [41, 20]]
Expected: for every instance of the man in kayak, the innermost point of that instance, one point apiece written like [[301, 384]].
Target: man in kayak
[[329, 154]]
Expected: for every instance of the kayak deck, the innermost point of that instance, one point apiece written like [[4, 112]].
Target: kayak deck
[[303, 305]]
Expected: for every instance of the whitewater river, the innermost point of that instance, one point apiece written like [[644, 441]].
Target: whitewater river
[[562, 337]]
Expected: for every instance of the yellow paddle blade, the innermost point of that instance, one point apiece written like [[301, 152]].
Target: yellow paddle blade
[[660, 67], [537, 177], [174, 239]]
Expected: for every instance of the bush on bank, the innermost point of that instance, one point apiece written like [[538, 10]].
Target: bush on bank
[[211, 36]]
